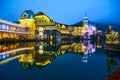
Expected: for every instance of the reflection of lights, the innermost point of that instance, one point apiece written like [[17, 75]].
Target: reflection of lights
[[9, 59], [93, 50], [8, 55], [51, 43], [69, 50], [90, 55], [85, 53], [4, 56], [85, 57], [58, 52], [63, 51], [41, 51], [85, 61], [40, 47], [0, 57], [43, 63], [26, 58], [99, 46], [41, 43], [90, 49], [15, 50]]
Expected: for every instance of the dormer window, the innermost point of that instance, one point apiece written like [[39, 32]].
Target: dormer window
[[25, 15]]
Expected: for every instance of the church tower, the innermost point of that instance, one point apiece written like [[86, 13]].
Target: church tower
[[85, 21], [27, 20]]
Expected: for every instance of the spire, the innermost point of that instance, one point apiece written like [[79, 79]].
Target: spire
[[85, 18], [85, 15]]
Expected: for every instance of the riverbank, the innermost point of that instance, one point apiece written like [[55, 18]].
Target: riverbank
[[112, 48]]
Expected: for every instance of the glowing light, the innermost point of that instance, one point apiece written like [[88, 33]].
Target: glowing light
[[43, 64], [9, 59]]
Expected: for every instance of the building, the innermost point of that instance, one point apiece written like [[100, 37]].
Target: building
[[10, 30], [41, 27], [50, 31], [27, 19], [86, 30]]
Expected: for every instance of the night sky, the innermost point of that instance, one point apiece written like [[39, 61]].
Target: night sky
[[64, 11]]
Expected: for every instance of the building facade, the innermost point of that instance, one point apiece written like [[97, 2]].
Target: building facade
[[40, 26], [10, 30], [87, 30]]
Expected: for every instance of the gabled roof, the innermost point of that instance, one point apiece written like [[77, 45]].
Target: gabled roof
[[39, 13]]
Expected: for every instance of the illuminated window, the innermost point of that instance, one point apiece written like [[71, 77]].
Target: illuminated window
[[44, 20], [25, 15], [3, 26], [0, 36], [0, 26], [7, 27]]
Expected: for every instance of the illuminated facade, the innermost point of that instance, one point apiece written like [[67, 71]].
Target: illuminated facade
[[27, 20], [39, 26], [87, 30], [10, 30], [42, 24]]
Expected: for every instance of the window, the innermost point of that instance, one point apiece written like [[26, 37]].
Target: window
[[0, 26], [3, 26], [7, 27], [25, 15]]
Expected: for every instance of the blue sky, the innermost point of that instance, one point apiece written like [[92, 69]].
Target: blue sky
[[64, 11]]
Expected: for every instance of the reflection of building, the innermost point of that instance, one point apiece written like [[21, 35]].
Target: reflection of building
[[11, 52], [43, 53], [44, 59], [113, 68], [86, 49]]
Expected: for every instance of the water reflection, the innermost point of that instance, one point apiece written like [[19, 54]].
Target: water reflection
[[42, 54], [13, 51], [113, 66], [111, 63]]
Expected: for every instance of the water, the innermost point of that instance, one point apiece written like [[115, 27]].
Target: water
[[48, 61]]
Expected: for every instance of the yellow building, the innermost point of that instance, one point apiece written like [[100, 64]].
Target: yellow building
[[40, 26], [79, 31], [64, 30], [46, 28], [43, 20], [27, 19]]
